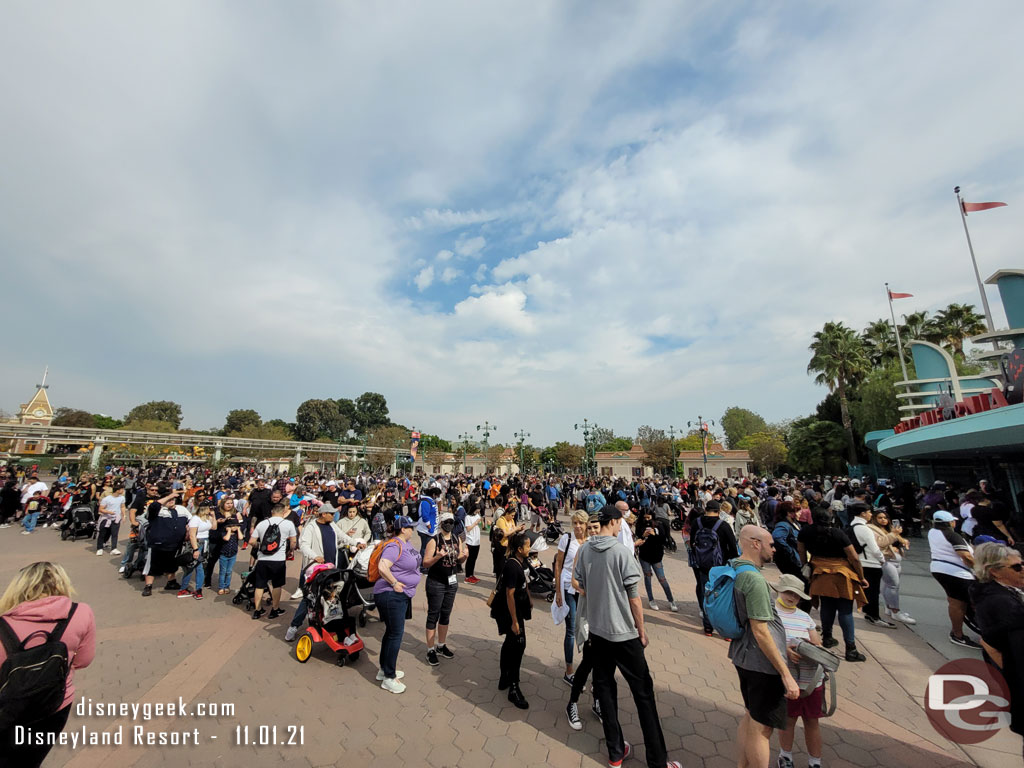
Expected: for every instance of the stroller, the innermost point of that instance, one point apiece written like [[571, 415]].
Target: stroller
[[554, 530], [329, 622], [136, 550], [541, 580], [246, 592], [80, 521]]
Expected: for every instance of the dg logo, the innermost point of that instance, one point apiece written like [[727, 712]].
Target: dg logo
[[967, 701]]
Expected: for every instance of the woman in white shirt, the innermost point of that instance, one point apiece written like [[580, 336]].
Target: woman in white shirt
[[952, 565], [199, 527], [473, 520], [568, 546], [111, 511]]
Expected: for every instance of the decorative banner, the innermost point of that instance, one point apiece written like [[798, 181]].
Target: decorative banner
[[894, 295], [414, 445]]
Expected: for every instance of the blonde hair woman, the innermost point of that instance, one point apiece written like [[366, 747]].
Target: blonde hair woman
[[199, 527], [35, 608], [568, 546]]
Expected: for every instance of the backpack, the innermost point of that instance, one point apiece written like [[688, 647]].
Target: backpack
[[271, 541], [495, 536], [33, 681], [705, 547], [720, 600], [166, 533], [373, 568], [852, 536], [593, 503], [378, 525]]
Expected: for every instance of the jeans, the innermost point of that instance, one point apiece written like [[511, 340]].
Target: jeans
[[107, 531], [891, 584], [570, 625], [579, 678], [391, 607], [474, 552], [628, 657], [702, 582], [873, 576], [300, 613], [424, 538], [659, 570], [227, 565], [198, 570], [512, 651], [30, 521], [830, 607]]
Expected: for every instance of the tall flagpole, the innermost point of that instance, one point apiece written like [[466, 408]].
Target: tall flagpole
[[896, 328], [974, 261]]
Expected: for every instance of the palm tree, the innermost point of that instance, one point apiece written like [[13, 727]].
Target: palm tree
[[958, 322], [880, 342], [917, 326], [840, 359]]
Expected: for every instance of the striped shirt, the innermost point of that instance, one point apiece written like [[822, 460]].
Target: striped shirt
[[798, 625]]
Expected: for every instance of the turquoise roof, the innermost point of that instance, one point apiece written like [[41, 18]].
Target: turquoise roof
[[998, 431]]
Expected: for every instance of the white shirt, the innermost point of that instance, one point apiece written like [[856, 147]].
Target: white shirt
[[28, 490], [626, 536], [111, 505], [969, 521], [472, 535], [570, 547], [287, 532], [945, 558], [202, 527]]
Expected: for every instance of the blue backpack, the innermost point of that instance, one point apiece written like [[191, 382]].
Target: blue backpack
[[593, 503], [720, 600]]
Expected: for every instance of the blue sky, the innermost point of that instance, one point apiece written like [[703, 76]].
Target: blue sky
[[529, 213]]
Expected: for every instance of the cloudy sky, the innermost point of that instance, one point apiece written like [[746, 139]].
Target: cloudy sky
[[528, 212]]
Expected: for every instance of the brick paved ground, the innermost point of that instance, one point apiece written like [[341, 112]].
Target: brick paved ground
[[160, 648]]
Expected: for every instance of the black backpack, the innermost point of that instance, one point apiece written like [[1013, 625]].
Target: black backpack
[[33, 681], [852, 536], [271, 541], [705, 547], [167, 533]]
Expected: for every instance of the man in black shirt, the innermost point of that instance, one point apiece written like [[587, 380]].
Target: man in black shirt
[[135, 514], [260, 505], [706, 552]]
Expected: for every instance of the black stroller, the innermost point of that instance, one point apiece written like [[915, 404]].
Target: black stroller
[[80, 522], [540, 578], [246, 592], [329, 622]]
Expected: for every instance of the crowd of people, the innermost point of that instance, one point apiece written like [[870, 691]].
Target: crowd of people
[[837, 544]]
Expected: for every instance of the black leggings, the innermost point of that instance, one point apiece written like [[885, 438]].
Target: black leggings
[[512, 651], [26, 756], [474, 552], [579, 678], [498, 557]]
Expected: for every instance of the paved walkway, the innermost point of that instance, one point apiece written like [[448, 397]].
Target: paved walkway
[[159, 649]]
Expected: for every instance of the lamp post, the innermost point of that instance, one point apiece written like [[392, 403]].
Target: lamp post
[[486, 429], [588, 451], [703, 427], [465, 438], [672, 447], [522, 434]]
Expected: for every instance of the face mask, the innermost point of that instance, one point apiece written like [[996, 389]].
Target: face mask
[[447, 526]]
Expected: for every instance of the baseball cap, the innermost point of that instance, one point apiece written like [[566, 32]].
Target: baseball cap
[[712, 506], [331, 484], [401, 521], [942, 516], [608, 513]]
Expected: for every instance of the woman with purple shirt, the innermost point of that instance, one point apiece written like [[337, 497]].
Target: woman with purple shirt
[[393, 593]]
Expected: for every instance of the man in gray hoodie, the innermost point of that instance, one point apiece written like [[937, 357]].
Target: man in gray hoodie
[[609, 578]]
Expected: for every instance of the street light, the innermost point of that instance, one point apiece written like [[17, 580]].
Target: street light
[[672, 443], [486, 429], [522, 434], [703, 427], [588, 449], [465, 438]]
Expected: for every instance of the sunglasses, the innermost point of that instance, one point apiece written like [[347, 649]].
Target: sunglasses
[[1018, 567]]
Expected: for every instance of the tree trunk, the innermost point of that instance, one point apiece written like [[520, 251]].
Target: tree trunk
[[844, 411]]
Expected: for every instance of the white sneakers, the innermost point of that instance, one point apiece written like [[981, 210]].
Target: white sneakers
[[290, 634], [99, 553], [902, 616], [297, 594], [673, 607], [391, 685], [121, 569], [399, 674], [26, 533], [654, 606], [115, 551]]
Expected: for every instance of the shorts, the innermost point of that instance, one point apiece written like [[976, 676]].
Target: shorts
[[160, 562], [955, 587], [764, 697], [808, 707], [272, 573]]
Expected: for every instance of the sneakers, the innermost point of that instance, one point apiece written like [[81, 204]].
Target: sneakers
[[392, 685], [172, 585], [121, 569], [184, 593], [472, 580], [293, 631], [852, 654], [432, 658], [568, 679], [399, 674], [245, 545], [445, 652], [147, 590], [26, 533], [879, 622], [596, 709], [115, 551], [785, 762], [275, 612], [626, 754], [673, 607], [99, 553], [572, 711], [829, 642], [198, 594], [654, 606], [258, 614], [963, 641], [297, 594], [901, 616]]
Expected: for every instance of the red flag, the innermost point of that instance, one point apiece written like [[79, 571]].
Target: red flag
[[899, 295], [972, 207]]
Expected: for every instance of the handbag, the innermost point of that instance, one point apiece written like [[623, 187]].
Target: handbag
[[829, 664], [494, 593]]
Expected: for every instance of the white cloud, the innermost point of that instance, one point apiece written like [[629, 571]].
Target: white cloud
[[444, 255], [425, 278], [481, 272], [503, 308], [449, 274], [470, 246]]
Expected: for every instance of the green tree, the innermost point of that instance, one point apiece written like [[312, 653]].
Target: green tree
[[601, 435], [156, 410], [767, 450], [281, 423], [816, 447], [433, 441], [740, 422], [658, 454], [371, 412], [958, 322], [880, 341], [149, 425], [646, 434], [266, 431], [617, 444], [319, 418], [917, 326], [101, 421], [563, 455], [839, 359], [347, 408], [240, 418], [876, 405], [72, 417]]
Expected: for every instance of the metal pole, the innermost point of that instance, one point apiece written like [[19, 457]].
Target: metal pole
[[896, 329], [974, 262]]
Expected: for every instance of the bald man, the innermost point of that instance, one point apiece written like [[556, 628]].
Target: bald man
[[759, 655]]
